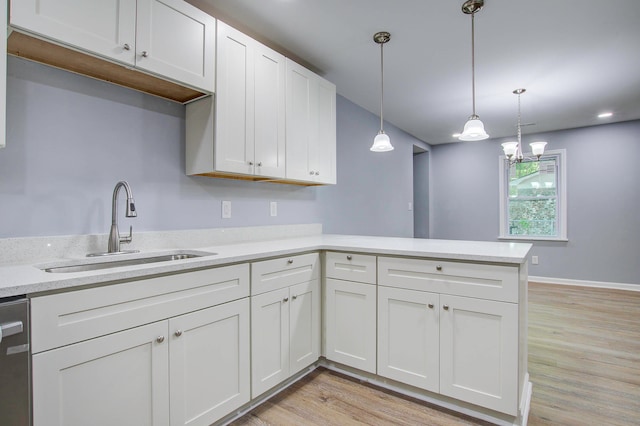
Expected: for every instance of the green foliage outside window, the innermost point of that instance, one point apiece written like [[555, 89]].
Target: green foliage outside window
[[532, 202]]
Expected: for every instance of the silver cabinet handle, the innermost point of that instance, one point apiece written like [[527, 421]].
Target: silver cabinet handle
[[290, 261], [160, 339], [126, 46], [439, 268], [445, 307], [311, 172], [178, 333], [285, 300], [294, 297], [317, 173], [259, 164], [145, 54], [349, 257], [430, 305]]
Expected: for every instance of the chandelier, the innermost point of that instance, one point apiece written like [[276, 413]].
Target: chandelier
[[513, 149]]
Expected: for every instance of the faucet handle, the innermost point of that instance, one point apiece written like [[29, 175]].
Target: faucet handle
[[129, 237]]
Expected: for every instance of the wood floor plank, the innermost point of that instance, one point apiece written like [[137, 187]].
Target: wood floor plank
[[584, 362]]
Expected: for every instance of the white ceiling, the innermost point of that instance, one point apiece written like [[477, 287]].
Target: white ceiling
[[576, 58]]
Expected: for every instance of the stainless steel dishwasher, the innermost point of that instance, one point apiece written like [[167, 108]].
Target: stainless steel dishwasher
[[15, 380]]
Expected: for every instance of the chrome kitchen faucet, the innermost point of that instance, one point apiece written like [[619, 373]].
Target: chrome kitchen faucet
[[114, 235]]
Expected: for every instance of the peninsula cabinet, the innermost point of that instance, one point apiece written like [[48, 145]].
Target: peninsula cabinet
[[107, 364], [350, 310], [311, 126], [463, 347], [167, 38], [285, 319]]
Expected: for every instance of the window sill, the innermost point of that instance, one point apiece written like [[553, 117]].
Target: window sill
[[533, 238]]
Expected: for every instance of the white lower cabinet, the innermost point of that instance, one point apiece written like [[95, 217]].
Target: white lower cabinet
[[408, 337], [350, 323], [189, 370], [466, 348], [209, 363], [479, 352], [285, 334], [119, 379], [165, 350]]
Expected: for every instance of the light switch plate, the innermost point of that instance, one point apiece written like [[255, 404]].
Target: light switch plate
[[273, 208], [226, 209]]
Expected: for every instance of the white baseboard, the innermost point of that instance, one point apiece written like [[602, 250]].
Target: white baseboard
[[584, 283]]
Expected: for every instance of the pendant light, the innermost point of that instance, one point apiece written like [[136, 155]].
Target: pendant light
[[513, 150], [381, 143], [473, 129]]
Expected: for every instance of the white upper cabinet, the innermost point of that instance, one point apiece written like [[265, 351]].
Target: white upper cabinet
[[169, 38], [250, 111], [271, 118], [176, 40], [311, 126], [104, 28]]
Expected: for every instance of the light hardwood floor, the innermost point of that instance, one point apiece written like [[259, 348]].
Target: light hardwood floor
[[584, 362]]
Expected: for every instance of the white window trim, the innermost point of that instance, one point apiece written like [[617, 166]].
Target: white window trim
[[562, 199]]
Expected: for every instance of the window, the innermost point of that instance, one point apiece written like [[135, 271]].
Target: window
[[533, 198]]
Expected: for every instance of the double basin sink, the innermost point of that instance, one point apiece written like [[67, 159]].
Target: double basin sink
[[94, 264]]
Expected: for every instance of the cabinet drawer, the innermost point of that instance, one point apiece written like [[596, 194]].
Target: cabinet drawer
[[351, 267], [65, 318], [285, 271], [494, 282]]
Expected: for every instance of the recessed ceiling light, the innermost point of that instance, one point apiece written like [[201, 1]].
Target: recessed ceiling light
[[455, 135], [605, 115]]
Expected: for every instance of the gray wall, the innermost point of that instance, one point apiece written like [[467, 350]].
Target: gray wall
[[374, 189], [71, 138], [603, 201]]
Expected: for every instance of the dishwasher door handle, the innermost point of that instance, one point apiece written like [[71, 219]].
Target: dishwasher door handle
[[10, 328]]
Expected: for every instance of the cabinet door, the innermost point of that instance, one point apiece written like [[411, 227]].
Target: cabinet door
[[269, 340], [209, 363], [323, 146], [104, 28], [176, 40], [234, 142], [304, 325], [350, 324], [119, 379], [479, 352], [408, 337], [300, 110], [311, 128], [269, 114]]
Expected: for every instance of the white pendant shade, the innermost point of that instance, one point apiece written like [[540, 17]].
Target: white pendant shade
[[537, 148], [381, 143], [473, 130], [510, 148]]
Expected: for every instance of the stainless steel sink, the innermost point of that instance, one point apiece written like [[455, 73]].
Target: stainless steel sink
[[94, 265]]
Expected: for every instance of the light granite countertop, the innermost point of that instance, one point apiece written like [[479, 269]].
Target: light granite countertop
[[21, 278]]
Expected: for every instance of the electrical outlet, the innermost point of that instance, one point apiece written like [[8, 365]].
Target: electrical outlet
[[534, 260], [273, 208], [226, 209]]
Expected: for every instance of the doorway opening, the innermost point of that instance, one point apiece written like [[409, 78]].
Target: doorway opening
[[420, 192]]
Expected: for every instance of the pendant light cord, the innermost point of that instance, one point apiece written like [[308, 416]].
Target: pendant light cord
[[381, 86], [473, 65]]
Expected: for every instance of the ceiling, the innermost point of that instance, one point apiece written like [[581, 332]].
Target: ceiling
[[575, 58]]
